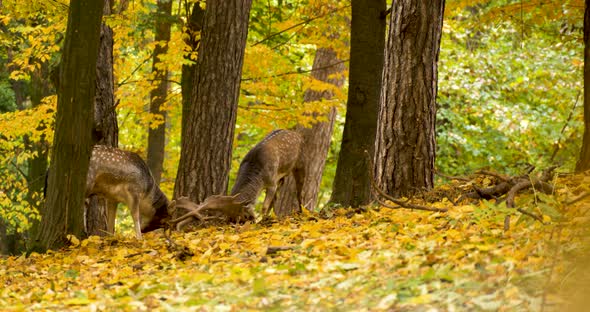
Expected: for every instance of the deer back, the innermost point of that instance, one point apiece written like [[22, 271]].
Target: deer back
[[267, 162]]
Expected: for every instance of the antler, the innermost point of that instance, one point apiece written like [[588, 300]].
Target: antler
[[194, 211]]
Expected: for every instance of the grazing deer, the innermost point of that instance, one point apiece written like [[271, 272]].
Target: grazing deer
[[123, 177], [264, 167]]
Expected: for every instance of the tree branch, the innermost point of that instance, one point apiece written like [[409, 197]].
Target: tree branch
[[298, 71], [305, 22]]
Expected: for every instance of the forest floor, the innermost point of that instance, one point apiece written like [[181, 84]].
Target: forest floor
[[365, 259]]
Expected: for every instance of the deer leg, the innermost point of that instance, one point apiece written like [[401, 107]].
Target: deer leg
[[299, 175], [111, 215], [135, 215], [268, 200]]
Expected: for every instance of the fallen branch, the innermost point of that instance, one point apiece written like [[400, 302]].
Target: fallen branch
[[271, 250], [530, 214], [449, 177], [577, 199], [493, 174]]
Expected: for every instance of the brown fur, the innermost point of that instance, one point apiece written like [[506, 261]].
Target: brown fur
[[264, 167], [124, 177]]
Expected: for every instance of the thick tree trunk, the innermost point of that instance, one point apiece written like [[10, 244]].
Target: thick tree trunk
[[316, 139], [157, 136], [63, 213], [405, 147], [105, 130], [205, 156], [584, 161], [352, 185]]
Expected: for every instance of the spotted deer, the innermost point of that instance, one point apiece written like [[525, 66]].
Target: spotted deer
[[263, 168], [123, 177]]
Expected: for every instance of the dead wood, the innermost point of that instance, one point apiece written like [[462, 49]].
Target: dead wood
[[508, 187], [579, 198], [271, 250]]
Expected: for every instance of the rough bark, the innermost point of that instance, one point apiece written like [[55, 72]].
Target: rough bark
[[63, 212], [316, 139], [405, 144], [351, 184], [157, 136], [105, 129], [584, 161], [205, 155], [40, 88], [192, 39]]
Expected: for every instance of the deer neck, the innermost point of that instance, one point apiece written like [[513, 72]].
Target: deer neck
[[248, 184], [160, 204]]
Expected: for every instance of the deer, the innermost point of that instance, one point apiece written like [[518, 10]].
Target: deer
[[263, 168], [123, 177]]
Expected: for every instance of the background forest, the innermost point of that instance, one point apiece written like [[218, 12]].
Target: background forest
[[510, 98], [510, 85]]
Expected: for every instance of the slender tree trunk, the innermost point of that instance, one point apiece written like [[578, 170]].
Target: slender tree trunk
[[316, 139], [351, 184], [584, 161], [40, 88], [63, 212], [105, 129], [157, 136], [37, 165], [192, 39], [405, 147], [205, 156], [19, 87]]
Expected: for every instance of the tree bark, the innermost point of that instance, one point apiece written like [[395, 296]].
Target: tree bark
[[63, 212], [157, 136], [352, 181], [584, 161], [316, 139], [205, 155], [192, 39], [40, 88], [405, 146], [105, 129]]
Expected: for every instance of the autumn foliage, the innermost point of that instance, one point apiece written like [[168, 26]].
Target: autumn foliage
[[509, 97]]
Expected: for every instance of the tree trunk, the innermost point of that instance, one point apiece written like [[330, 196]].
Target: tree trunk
[[205, 155], [63, 212], [193, 27], [584, 161], [157, 136], [36, 175], [405, 147], [352, 181], [19, 87], [316, 139], [105, 129]]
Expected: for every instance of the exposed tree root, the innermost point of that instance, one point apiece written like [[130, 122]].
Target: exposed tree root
[[378, 192]]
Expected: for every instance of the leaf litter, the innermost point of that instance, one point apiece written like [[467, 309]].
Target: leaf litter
[[376, 259]]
